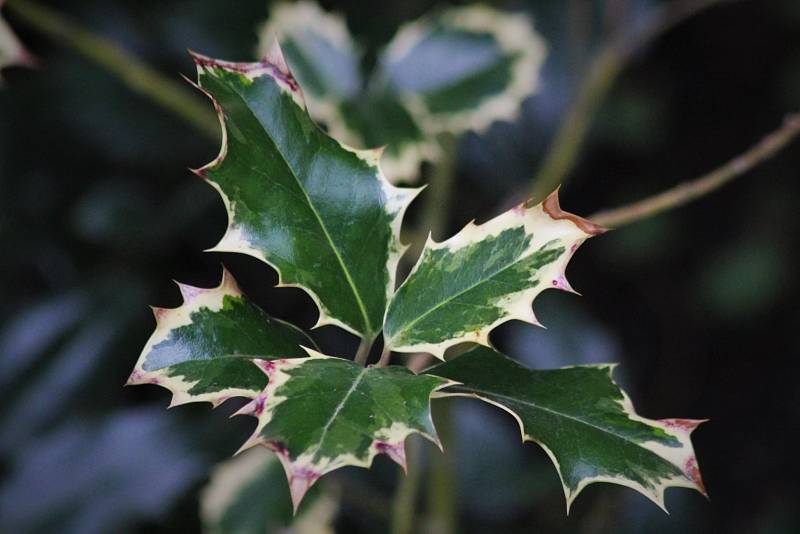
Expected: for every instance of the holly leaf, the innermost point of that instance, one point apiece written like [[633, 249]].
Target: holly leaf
[[485, 275], [464, 68], [247, 495], [203, 350], [458, 69], [320, 213], [325, 59], [320, 51], [11, 50], [583, 420], [322, 413]]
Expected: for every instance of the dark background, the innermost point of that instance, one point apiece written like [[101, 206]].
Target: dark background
[[699, 305]]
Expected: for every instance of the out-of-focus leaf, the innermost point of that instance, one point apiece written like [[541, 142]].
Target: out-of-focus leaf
[[98, 478], [248, 495], [11, 50], [464, 67]]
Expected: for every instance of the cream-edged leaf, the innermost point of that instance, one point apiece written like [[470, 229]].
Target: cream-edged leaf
[[203, 350], [322, 214], [322, 413], [464, 68], [583, 420], [485, 275]]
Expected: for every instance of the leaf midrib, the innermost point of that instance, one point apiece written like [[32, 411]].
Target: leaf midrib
[[559, 414], [338, 410], [348, 277]]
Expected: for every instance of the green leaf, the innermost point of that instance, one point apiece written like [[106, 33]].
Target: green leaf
[[203, 350], [323, 215], [584, 421], [485, 275], [464, 68], [319, 49], [247, 495], [325, 60], [322, 413], [11, 50]]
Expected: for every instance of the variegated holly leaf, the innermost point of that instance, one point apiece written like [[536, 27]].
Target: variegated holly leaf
[[458, 69], [320, 51], [322, 214], [322, 413], [485, 275], [324, 58], [11, 50], [464, 67], [584, 421], [248, 495], [203, 350]]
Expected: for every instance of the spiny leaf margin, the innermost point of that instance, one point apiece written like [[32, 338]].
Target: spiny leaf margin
[[493, 377], [538, 233], [273, 338], [385, 425], [393, 201]]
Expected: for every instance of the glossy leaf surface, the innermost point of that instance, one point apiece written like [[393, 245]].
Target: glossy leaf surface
[[203, 350], [483, 276], [321, 413], [584, 421]]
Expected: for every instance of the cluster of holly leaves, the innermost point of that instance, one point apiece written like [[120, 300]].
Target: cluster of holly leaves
[[326, 218]]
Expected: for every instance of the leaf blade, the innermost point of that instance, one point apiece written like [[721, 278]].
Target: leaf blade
[[322, 413], [585, 423], [323, 215], [462, 288], [464, 68], [199, 353]]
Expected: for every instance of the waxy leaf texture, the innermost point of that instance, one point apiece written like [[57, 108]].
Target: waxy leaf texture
[[322, 214], [204, 349], [321, 413], [485, 275], [584, 421]]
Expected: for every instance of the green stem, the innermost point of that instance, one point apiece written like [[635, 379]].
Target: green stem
[[442, 490], [689, 191], [363, 351], [134, 73], [386, 357], [603, 72], [405, 497]]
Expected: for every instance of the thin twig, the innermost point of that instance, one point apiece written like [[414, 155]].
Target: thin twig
[[603, 71], [688, 191], [134, 73]]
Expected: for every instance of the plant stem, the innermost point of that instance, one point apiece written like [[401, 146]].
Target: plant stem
[[134, 73], [363, 351], [405, 496], [442, 490], [688, 191], [386, 357], [602, 73]]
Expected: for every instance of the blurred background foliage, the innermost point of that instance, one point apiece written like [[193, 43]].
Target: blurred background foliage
[[99, 212]]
